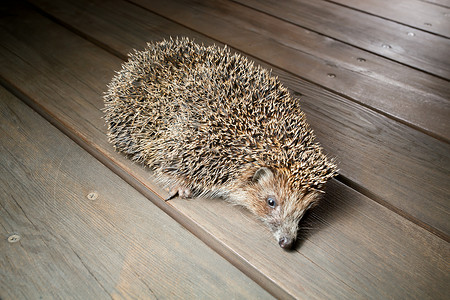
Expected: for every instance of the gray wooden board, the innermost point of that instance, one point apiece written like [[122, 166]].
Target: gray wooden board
[[414, 13], [116, 244], [409, 95], [362, 140], [356, 249], [415, 48], [444, 3]]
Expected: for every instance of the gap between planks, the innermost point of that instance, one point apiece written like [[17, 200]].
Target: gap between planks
[[360, 189], [389, 18]]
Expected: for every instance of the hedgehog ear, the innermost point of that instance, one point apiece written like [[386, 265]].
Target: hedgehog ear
[[261, 173]]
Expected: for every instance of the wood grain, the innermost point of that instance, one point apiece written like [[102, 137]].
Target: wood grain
[[356, 249], [415, 48], [362, 140], [414, 13], [444, 3], [400, 92], [115, 244]]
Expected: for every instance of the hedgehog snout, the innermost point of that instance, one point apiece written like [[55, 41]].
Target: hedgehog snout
[[285, 232], [285, 242]]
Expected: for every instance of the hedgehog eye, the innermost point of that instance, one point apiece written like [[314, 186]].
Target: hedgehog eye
[[271, 201]]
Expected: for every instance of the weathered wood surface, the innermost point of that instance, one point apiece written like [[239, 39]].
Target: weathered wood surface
[[75, 244], [414, 13], [415, 98], [415, 48], [443, 3], [348, 131], [357, 249]]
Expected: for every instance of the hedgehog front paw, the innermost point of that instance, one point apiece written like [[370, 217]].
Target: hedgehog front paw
[[181, 191]]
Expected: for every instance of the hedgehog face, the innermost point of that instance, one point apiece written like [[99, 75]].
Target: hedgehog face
[[278, 205]]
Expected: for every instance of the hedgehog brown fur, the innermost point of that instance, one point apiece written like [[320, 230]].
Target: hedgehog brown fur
[[211, 123]]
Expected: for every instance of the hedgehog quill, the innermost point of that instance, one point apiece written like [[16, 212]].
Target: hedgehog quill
[[209, 123]]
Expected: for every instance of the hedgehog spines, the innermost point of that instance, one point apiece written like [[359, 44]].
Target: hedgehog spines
[[202, 114]]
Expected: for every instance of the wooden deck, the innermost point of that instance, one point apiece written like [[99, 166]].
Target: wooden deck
[[81, 221]]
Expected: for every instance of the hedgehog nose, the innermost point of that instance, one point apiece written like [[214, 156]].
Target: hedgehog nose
[[285, 243]]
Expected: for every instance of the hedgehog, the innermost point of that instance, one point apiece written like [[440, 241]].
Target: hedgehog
[[210, 123]]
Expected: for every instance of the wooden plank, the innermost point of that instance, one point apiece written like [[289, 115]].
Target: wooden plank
[[444, 3], [115, 243], [387, 249], [404, 44], [351, 133], [414, 13], [400, 92]]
